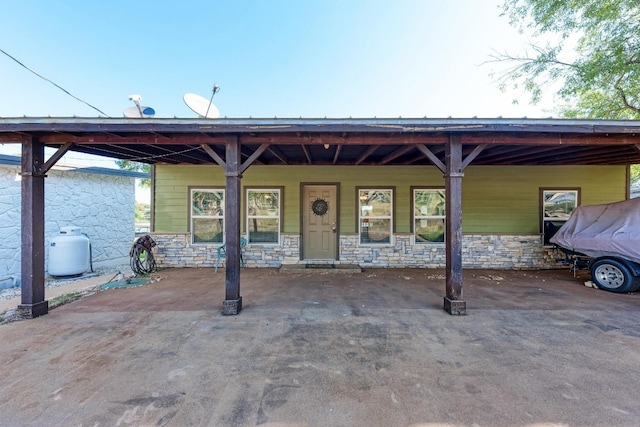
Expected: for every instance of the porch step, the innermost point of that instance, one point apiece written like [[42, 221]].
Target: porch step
[[321, 268]]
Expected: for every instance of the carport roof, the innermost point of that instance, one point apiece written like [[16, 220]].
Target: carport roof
[[339, 141]]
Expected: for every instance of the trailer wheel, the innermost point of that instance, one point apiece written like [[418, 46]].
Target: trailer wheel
[[613, 276]]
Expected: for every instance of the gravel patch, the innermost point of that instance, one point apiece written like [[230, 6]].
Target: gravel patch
[[52, 282]]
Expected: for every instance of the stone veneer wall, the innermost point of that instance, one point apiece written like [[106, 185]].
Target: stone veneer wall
[[479, 251], [102, 205]]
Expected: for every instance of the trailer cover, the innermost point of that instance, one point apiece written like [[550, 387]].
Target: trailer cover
[[603, 230]]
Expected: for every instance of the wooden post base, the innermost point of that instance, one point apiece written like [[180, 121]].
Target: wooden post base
[[232, 306], [30, 311], [455, 307]]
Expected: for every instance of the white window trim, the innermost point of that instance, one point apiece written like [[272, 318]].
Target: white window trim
[[542, 210], [389, 217], [416, 217], [192, 216], [249, 217]]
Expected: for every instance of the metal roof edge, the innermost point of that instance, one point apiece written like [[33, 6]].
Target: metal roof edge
[[322, 124]]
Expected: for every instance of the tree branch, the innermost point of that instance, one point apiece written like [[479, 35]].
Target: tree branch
[[623, 95]]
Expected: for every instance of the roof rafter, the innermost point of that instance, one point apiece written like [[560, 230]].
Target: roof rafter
[[397, 153], [337, 155], [369, 151]]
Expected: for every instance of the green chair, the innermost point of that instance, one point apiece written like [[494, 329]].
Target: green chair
[[222, 253]]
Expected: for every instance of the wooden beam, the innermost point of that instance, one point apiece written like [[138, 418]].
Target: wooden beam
[[279, 155], [253, 157], [180, 137], [140, 139], [54, 159], [306, 153], [536, 155], [353, 139], [369, 151], [434, 159], [590, 154], [335, 156], [476, 151], [453, 301], [548, 139], [637, 147], [397, 153], [233, 301], [181, 154], [419, 156], [509, 153], [33, 302], [11, 138], [214, 155]]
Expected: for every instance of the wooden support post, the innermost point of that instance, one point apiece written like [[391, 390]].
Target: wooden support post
[[33, 303], [233, 301], [453, 301]]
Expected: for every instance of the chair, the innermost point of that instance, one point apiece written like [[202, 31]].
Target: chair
[[222, 253]]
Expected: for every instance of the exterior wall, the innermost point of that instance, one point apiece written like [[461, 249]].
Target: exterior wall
[[495, 199], [501, 212], [103, 205], [479, 251]]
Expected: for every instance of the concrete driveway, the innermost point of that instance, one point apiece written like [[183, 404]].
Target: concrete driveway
[[315, 349]]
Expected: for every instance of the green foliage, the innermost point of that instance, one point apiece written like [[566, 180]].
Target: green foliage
[[64, 299], [136, 167], [591, 48], [142, 212], [635, 174]]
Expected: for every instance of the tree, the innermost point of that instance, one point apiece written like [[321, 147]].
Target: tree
[[591, 48], [635, 175], [136, 167]]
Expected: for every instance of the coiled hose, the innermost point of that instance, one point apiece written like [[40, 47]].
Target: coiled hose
[[141, 256]]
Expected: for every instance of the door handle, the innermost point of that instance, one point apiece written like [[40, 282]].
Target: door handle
[[333, 227]]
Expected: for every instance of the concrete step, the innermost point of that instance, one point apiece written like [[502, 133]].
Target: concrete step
[[314, 267]]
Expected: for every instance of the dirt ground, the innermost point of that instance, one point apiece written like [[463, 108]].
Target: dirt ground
[[536, 348]]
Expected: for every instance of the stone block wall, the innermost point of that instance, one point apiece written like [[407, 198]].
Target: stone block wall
[[102, 205], [479, 251]]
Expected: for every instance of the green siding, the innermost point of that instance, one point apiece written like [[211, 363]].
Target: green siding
[[496, 199]]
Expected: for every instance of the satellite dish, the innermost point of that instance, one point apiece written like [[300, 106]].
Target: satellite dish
[[139, 110], [201, 105]]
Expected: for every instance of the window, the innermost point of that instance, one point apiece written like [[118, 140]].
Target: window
[[557, 205], [207, 215], [263, 215], [375, 215], [428, 215]]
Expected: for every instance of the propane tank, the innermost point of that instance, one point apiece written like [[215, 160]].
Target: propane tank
[[69, 253]]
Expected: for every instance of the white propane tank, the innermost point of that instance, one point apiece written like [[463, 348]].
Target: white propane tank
[[69, 253]]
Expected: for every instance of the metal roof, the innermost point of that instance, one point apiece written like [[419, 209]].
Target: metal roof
[[340, 141]]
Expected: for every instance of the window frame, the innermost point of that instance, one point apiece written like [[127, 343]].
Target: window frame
[[247, 217], [391, 216], [414, 217], [191, 216], [541, 209]]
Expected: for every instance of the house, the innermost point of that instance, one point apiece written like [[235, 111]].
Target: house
[[75, 196], [452, 193]]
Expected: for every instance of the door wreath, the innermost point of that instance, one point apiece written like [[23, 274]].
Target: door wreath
[[319, 207]]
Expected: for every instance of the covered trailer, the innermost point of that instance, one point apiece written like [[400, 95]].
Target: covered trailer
[[605, 239]]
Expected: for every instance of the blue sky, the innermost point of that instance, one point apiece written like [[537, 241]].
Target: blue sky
[[314, 58], [333, 58]]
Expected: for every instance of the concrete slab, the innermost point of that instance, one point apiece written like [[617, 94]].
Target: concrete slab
[[374, 349]]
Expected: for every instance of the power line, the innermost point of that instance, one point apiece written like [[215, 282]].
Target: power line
[[55, 84]]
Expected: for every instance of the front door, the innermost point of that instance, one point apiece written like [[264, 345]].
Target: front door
[[319, 221]]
